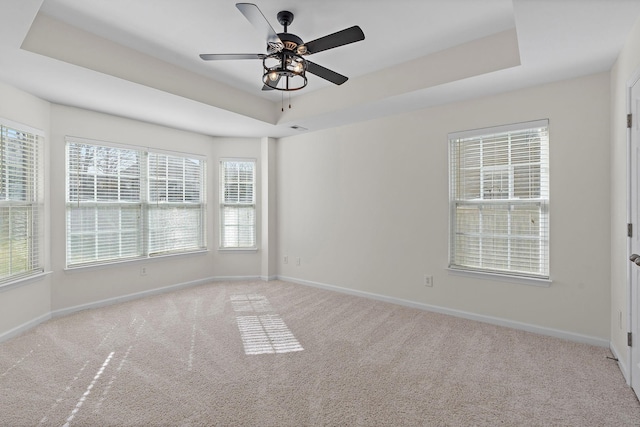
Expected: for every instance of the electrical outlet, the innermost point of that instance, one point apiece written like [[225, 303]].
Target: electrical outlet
[[298, 261], [286, 259], [428, 281], [143, 271]]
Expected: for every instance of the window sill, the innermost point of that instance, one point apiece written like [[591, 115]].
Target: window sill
[[521, 280], [23, 281], [238, 250], [133, 261]]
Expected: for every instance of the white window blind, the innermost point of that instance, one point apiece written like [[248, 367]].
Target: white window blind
[[126, 203], [21, 220], [104, 203], [176, 209], [237, 204], [499, 200]]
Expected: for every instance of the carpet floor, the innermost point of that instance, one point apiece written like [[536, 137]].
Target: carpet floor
[[281, 354]]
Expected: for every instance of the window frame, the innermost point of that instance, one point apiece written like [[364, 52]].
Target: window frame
[[225, 204], [33, 200], [141, 202], [502, 199]]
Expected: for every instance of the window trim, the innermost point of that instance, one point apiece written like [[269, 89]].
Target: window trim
[[23, 280], [544, 200], [510, 278], [222, 204]]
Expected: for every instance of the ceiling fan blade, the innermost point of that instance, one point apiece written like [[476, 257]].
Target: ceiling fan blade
[[326, 73], [260, 23], [227, 56], [349, 35]]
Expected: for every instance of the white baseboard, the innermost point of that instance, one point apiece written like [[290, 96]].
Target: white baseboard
[[235, 278], [137, 295], [443, 310], [571, 336], [24, 327], [623, 367]]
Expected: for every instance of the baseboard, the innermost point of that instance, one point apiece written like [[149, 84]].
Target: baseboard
[[150, 292], [24, 327], [236, 278], [437, 309], [571, 336], [623, 367]]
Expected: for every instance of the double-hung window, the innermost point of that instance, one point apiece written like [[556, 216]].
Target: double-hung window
[[176, 210], [237, 204], [499, 200], [21, 202], [126, 202]]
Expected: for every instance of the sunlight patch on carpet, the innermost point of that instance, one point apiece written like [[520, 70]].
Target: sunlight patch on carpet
[[193, 337], [67, 389], [15, 365], [266, 334], [88, 391], [251, 302]]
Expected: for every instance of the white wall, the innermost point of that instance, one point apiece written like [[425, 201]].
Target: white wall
[[365, 207], [627, 65], [21, 306]]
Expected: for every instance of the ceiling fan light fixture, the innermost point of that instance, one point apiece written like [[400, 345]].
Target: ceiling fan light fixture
[[285, 71], [284, 68]]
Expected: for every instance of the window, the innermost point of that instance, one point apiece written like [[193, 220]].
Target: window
[[499, 200], [237, 204], [176, 212], [21, 219], [128, 202]]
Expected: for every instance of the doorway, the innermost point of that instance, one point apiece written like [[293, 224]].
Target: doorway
[[634, 212]]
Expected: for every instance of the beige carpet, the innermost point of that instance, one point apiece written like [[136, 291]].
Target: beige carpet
[[279, 354]]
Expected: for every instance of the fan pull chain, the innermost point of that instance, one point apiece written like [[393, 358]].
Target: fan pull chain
[[282, 102]]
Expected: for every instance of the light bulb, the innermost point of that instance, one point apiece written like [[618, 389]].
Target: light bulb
[[273, 76]]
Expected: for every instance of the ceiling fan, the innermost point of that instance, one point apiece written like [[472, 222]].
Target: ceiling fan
[[284, 67]]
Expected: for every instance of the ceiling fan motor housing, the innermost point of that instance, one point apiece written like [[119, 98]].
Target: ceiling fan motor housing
[[290, 41]]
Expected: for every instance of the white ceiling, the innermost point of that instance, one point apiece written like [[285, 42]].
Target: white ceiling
[[139, 59]]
